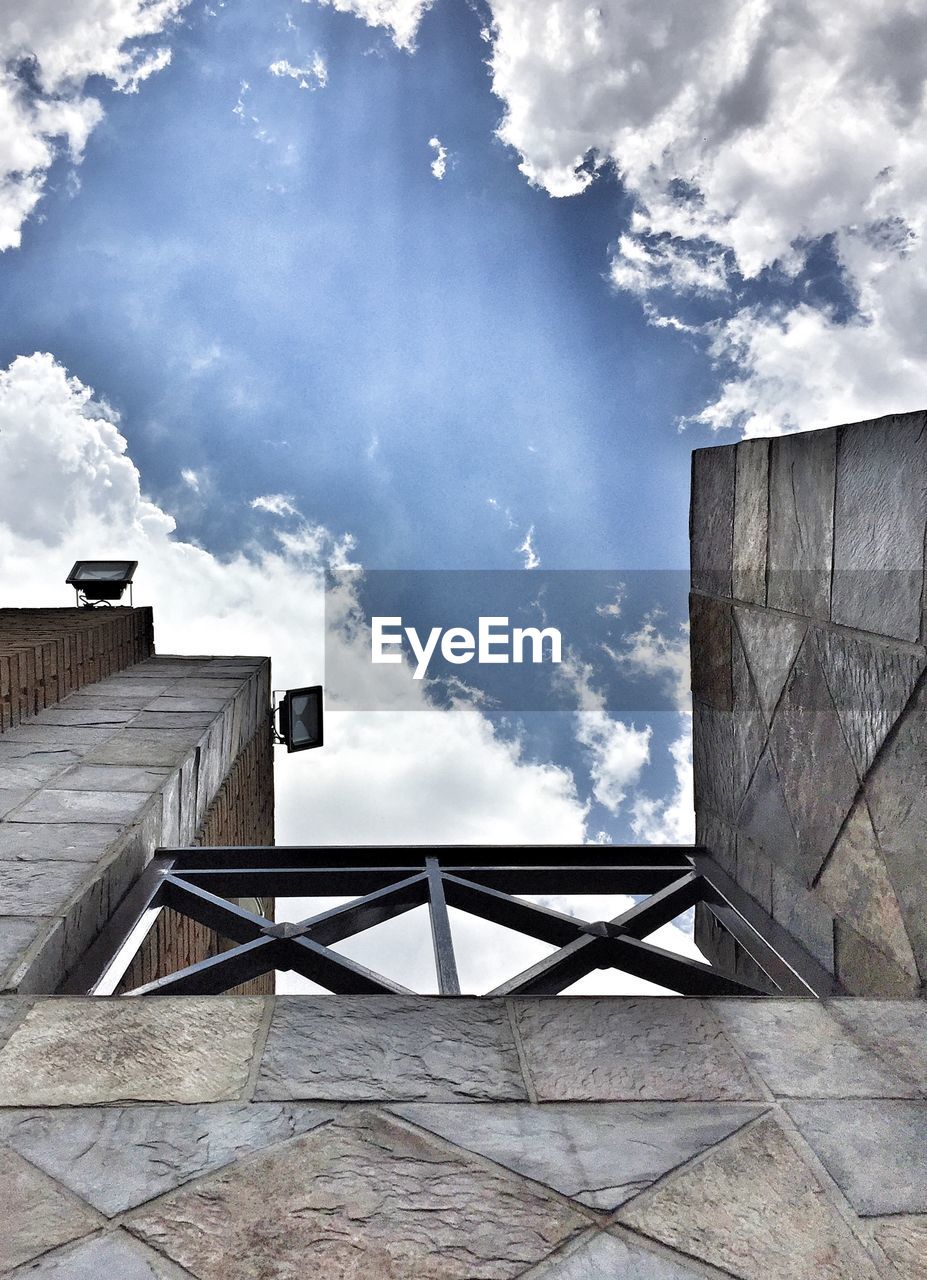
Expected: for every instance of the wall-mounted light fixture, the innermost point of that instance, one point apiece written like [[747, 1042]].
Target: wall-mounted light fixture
[[300, 718], [101, 581]]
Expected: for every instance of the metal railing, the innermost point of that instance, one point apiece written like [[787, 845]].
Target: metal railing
[[385, 882]]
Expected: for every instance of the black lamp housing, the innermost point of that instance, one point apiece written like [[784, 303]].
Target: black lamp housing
[[101, 579], [301, 718]]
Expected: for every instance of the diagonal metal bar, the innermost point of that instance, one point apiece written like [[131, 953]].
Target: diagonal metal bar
[[363, 913], [103, 964], [768, 944], [660, 908], [442, 941], [216, 974], [337, 973], [226, 918], [550, 926], [678, 973]]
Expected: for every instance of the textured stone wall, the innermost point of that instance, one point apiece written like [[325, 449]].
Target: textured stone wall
[[46, 654], [810, 695], [242, 813], [90, 787], [407, 1138]]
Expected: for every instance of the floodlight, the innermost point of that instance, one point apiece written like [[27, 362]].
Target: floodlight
[[301, 718], [100, 581]]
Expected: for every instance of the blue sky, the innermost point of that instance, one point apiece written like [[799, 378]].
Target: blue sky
[[648, 217]]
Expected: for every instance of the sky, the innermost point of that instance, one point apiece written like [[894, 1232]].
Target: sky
[[404, 286]]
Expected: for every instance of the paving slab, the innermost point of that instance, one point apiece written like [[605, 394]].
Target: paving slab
[[751, 520], [817, 774], [752, 1208], [111, 777], [76, 1052], [621, 1048], [801, 1051], [879, 519], [598, 1153], [173, 719], [712, 520], [39, 888], [894, 1030], [801, 522], [390, 1047], [56, 841], [37, 1215], [874, 1151], [27, 765], [608, 1256], [108, 1257], [770, 642], [83, 806], [363, 1196], [116, 1158], [904, 1240], [148, 747]]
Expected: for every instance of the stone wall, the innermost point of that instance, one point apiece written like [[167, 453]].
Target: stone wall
[[90, 787], [46, 654], [810, 695], [452, 1139]]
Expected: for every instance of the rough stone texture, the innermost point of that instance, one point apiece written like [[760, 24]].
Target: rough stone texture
[[601, 1154], [109, 1257], [711, 520], [713, 761], [770, 643], [608, 1256], [800, 1051], [817, 774], [119, 1157], [368, 1193], [855, 884], [753, 1207], [710, 637], [870, 684], [896, 1030], [805, 915], [843, 691], [764, 818], [363, 1047], [751, 520], [904, 1240], [749, 724], [718, 838], [879, 522], [37, 1215], [73, 1052], [624, 1048], [874, 1151], [801, 514], [91, 809]]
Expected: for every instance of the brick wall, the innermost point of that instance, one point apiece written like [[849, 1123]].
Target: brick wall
[[242, 813], [45, 654]]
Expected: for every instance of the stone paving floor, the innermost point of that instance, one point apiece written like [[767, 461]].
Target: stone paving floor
[[410, 1138]]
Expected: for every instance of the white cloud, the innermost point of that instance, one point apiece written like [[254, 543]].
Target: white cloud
[[527, 549], [69, 489], [745, 131], [48, 52], [439, 163], [314, 75], [278, 504], [669, 820], [400, 17], [190, 478], [617, 751]]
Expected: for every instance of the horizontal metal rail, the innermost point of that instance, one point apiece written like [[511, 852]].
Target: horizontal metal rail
[[485, 881]]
